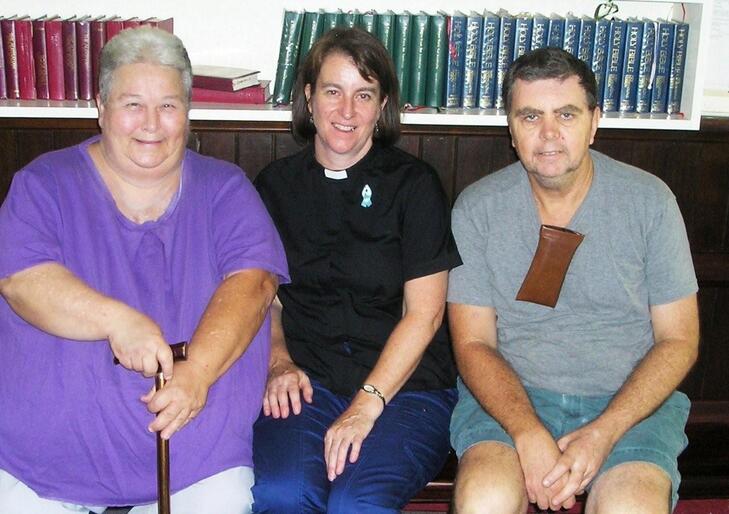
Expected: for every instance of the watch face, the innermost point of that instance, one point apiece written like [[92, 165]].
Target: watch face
[[368, 388]]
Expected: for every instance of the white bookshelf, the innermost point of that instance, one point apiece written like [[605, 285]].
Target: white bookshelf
[[229, 32]]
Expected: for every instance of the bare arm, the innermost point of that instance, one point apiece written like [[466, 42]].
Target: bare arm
[[52, 298], [230, 321], [676, 333], [424, 305]]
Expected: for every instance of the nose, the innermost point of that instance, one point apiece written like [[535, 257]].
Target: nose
[[151, 120], [347, 107], [549, 128]]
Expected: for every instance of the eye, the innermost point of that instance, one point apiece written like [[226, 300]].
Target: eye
[[132, 105], [567, 115], [365, 96], [530, 117], [331, 92], [169, 106]]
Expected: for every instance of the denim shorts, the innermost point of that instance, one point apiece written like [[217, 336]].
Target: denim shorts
[[658, 439]]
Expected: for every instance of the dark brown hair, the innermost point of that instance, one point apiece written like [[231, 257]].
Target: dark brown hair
[[373, 63]]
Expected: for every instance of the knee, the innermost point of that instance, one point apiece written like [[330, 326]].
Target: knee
[[488, 497], [275, 496]]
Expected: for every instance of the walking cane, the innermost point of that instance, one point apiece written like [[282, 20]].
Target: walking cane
[[179, 353]]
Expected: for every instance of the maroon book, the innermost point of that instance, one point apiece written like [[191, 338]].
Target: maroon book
[[83, 53], [26, 62], [98, 40], [114, 25], [257, 94], [54, 51], [223, 78], [40, 57], [10, 51], [131, 23], [3, 82], [70, 59], [166, 24]]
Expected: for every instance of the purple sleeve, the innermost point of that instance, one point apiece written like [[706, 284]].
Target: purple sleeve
[[243, 232], [29, 223]]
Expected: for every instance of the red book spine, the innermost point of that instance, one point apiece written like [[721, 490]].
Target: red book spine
[[166, 24], [40, 56], [113, 27], [26, 63], [3, 82], [11, 58], [54, 51], [250, 95], [98, 39], [131, 23], [83, 52], [70, 59]]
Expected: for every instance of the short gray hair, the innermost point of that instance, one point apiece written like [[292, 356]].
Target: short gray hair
[[144, 45]]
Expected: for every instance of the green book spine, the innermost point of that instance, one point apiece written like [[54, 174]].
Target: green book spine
[[437, 61], [287, 56], [386, 30], [418, 58], [401, 53], [331, 20], [311, 31], [368, 21], [351, 19]]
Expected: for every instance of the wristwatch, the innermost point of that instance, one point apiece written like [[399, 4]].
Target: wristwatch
[[369, 388]]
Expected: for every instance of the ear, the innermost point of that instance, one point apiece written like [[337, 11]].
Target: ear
[[307, 94], [594, 123], [101, 109], [383, 103]]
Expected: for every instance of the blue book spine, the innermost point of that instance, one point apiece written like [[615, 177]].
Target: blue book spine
[[456, 59], [614, 65], [631, 63], [540, 31], [522, 35], [472, 59], [571, 34], [647, 54], [506, 54], [556, 31], [489, 59], [664, 52], [587, 39], [599, 55], [678, 65]]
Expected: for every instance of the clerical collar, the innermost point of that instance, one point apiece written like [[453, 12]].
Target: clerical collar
[[335, 174]]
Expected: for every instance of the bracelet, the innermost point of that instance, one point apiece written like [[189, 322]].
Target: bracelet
[[369, 388]]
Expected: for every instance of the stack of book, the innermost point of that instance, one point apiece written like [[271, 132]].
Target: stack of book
[[51, 58], [229, 85], [459, 60]]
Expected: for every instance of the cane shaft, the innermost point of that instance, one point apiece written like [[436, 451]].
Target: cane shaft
[[163, 462]]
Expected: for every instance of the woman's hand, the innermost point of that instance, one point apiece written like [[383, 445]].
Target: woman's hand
[[349, 431], [138, 344], [287, 383]]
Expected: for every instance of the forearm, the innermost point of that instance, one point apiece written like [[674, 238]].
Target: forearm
[[230, 322]]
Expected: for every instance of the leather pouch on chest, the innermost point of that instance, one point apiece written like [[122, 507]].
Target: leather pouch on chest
[[543, 281]]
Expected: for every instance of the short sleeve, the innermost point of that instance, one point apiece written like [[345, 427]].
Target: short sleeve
[[427, 242], [468, 284], [244, 234], [670, 272], [30, 223]]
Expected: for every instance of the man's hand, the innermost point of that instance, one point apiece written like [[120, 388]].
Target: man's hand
[[137, 342], [180, 400], [538, 454], [583, 453], [286, 384]]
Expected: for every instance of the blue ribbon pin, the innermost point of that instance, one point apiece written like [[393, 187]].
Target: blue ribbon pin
[[366, 196]]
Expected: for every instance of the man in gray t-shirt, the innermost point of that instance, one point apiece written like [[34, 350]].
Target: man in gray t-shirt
[[579, 395]]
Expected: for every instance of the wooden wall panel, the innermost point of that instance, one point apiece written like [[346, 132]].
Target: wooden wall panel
[[255, 151]]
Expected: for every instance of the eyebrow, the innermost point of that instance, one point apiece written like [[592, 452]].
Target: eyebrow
[[371, 89], [125, 96], [531, 110]]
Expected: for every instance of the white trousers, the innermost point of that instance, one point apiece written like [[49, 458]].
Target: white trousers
[[228, 492]]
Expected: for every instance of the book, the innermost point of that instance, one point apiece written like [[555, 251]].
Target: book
[[401, 54], [522, 34], [288, 55], [386, 30], [571, 38], [40, 58], [114, 25], [310, 31], [97, 28], [456, 30], [256, 94], [368, 21], [664, 52], [10, 57], [645, 68], [3, 83], [489, 59], [556, 31], [599, 55], [167, 24], [223, 78], [505, 53], [26, 61], [631, 62], [437, 60], [614, 65], [54, 55], [83, 52], [351, 19], [586, 41], [70, 58], [418, 57], [472, 59], [331, 20], [678, 64], [540, 31], [131, 23]]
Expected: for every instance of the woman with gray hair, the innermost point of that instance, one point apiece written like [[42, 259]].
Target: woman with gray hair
[[115, 248]]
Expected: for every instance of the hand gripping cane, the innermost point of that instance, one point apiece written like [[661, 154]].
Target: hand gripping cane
[[179, 353]]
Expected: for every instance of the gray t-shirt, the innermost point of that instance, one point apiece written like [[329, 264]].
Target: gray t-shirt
[[635, 254]]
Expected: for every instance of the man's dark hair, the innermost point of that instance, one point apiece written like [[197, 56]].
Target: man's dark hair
[[549, 63]]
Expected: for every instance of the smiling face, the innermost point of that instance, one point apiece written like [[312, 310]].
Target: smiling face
[[345, 107], [552, 129], [144, 123]]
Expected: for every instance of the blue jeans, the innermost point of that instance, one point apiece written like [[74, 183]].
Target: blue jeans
[[405, 449]]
